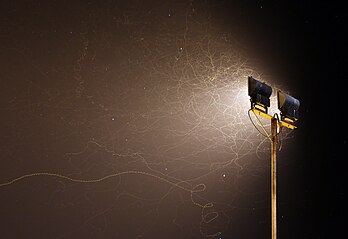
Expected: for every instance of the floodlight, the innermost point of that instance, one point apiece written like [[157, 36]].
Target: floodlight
[[288, 107], [259, 93]]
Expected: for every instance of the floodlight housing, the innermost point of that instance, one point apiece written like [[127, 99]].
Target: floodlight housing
[[259, 93], [288, 106]]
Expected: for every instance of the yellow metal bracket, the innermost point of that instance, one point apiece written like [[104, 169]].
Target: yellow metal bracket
[[269, 117], [287, 125], [263, 114]]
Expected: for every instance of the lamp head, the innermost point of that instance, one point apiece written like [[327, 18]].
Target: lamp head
[[259, 93], [288, 106]]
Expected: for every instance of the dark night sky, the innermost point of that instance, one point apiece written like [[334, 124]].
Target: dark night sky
[[128, 119]]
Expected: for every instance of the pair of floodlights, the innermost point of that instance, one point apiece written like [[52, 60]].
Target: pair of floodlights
[[260, 94]]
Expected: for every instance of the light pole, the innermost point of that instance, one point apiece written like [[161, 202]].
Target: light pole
[[274, 125], [259, 93]]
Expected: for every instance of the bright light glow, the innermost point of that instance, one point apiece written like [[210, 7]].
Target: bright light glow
[[147, 116]]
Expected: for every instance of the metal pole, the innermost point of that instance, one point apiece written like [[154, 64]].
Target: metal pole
[[274, 123]]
